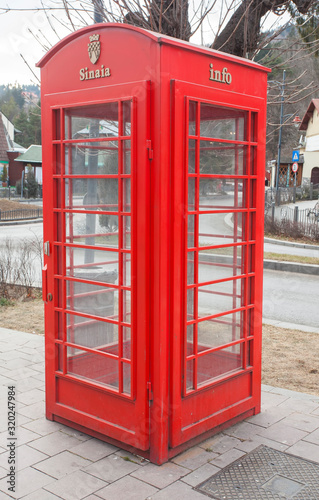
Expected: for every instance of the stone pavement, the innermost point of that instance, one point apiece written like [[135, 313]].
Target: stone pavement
[[54, 461]]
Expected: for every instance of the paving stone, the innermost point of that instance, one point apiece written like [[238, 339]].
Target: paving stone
[[304, 422], [111, 468], [42, 495], [283, 433], [313, 437], [298, 405], [25, 436], [199, 475], [54, 443], [75, 486], [93, 449], [178, 491], [194, 457], [220, 443], [16, 364], [30, 397], [269, 400], [251, 444], [81, 436], [305, 450], [269, 417], [243, 430], [27, 456], [21, 376], [29, 481], [36, 410], [160, 476], [42, 426], [3, 472], [62, 464], [227, 458], [128, 488]]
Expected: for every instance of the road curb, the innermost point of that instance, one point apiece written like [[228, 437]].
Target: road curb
[[292, 267], [21, 222], [290, 326], [283, 243]]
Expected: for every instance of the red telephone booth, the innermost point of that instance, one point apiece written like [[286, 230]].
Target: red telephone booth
[[153, 169]]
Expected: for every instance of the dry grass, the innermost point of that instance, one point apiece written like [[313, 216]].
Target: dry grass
[[15, 205], [291, 258]]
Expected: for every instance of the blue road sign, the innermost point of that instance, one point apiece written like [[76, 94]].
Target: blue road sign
[[295, 156]]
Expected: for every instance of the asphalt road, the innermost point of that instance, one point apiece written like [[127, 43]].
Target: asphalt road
[[288, 297]]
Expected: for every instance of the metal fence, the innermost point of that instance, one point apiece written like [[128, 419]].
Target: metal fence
[[21, 214], [291, 221], [284, 195]]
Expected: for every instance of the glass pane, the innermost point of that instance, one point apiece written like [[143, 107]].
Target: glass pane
[[56, 163], [191, 194], [190, 268], [126, 157], [126, 297], [253, 127], [191, 156], [190, 340], [126, 271], [191, 231], [103, 266], [192, 117], [190, 375], [217, 194], [220, 229], [92, 229], [219, 297], [126, 110], [220, 263], [57, 193], [219, 331], [216, 364], [92, 299], [222, 123], [126, 378], [57, 124], [219, 158], [126, 195], [127, 342], [126, 232], [92, 366], [253, 161], [99, 120], [95, 158], [190, 304], [92, 333], [92, 194]]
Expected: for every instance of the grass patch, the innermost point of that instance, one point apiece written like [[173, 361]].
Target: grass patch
[[291, 258], [4, 302]]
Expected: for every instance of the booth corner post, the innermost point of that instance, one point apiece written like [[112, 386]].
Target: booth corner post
[[153, 175]]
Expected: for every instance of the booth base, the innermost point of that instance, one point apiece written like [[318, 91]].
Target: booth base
[[151, 455]]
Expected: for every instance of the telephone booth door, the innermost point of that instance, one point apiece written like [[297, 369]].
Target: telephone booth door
[[217, 259], [97, 264]]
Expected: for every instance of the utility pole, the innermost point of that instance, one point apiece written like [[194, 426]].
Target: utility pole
[[280, 126]]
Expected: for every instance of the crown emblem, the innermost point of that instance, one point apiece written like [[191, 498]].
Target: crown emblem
[[94, 48]]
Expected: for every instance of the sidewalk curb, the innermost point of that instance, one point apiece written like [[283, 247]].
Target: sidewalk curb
[[21, 222], [290, 326], [292, 267], [291, 244]]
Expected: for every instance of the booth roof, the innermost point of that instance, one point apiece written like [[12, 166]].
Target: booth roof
[[156, 37]]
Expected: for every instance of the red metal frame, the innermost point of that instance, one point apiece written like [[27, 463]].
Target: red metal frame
[[160, 413]]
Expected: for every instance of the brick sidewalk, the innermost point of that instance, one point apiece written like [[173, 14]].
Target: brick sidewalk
[[54, 461]]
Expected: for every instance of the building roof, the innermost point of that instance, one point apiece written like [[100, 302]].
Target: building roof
[[3, 144], [309, 113], [32, 155]]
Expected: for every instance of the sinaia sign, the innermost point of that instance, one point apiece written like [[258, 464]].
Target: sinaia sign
[[94, 50]]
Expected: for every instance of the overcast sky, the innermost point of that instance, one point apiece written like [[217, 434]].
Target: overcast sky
[[16, 38]]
